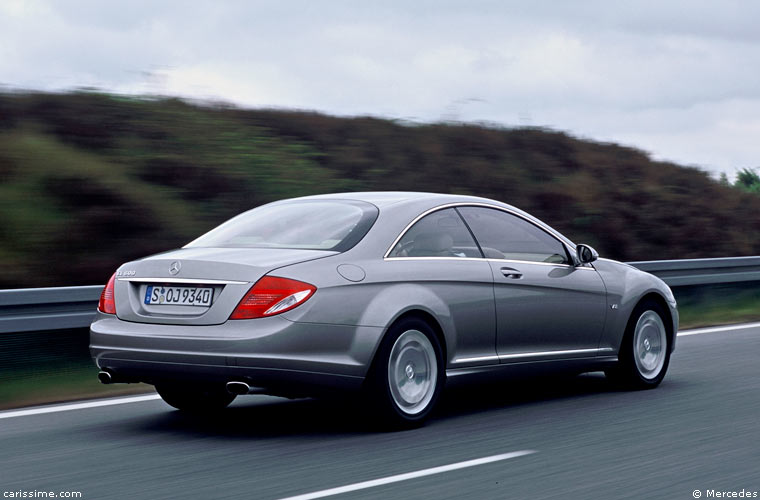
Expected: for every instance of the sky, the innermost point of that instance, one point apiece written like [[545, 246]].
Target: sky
[[678, 79]]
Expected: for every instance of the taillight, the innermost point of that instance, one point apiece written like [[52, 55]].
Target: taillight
[[106, 303], [271, 295]]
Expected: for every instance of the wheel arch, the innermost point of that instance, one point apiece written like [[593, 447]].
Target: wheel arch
[[400, 301], [431, 321], [378, 386], [423, 315], [668, 319], [627, 372]]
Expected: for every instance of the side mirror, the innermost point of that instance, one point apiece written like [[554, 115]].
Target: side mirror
[[586, 254]]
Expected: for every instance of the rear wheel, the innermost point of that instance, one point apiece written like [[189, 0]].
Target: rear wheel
[[195, 399], [407, 376], [645, 353]]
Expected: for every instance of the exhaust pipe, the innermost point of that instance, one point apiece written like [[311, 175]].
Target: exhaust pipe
[[239, 388], [105, 377]]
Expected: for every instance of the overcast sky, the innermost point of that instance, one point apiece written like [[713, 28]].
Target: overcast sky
[[679, 79]]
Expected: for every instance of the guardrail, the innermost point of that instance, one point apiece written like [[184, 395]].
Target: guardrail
[[703, 271], [36, 309]]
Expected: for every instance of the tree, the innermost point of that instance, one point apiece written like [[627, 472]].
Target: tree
[[748, 180]]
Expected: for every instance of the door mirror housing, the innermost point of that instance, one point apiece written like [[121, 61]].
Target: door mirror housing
[[586, 254]]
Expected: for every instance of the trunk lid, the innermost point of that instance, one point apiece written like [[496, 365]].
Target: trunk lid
[[163, 288]]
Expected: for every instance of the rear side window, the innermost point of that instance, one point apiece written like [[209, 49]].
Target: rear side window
[[307, 224], [439, 234], [505, 236]]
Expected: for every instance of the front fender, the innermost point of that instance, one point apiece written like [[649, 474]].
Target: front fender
[[626, 287]]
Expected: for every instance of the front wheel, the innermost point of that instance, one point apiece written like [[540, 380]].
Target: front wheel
[[407, 376], [194, 399], [645, 353]]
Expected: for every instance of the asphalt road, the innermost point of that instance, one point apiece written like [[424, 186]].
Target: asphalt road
[[698, 431]]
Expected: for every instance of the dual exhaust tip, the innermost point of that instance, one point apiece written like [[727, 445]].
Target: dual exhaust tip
[[240, 388], [236, 387], [105, 377]]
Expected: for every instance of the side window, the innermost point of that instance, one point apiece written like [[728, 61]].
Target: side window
[[439, 234], [505, 236]]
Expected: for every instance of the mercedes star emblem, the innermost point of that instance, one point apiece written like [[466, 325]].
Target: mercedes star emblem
[[175, 267]]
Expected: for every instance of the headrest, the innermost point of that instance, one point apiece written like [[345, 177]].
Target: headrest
[[433, 242]]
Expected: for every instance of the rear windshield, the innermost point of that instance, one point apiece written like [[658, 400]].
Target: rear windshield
[[335, 225]]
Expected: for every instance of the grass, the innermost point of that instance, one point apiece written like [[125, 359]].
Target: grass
[[713, 305], [51, 366], [30, 388]]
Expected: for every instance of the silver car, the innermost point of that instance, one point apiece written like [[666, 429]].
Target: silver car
[[390, 294]]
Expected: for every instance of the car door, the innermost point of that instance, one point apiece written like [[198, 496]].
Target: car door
[[439, 253], [546, 308]]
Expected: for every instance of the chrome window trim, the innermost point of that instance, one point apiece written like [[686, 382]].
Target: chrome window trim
[[553, 264], [563, 240], [481, 259], [188, 281]]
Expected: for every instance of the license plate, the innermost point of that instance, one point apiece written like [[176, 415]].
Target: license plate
[[178, 295]]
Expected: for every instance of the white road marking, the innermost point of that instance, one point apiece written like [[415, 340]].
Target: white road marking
[[409, 475], [715, 329], [78, 406]]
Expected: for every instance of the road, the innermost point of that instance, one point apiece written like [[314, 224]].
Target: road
[[698, 431]]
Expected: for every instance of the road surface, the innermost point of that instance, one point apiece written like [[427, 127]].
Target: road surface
[[564, 438]]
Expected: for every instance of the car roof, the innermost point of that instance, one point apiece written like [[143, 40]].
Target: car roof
[[383, 199], [401, 204], [398, 202]]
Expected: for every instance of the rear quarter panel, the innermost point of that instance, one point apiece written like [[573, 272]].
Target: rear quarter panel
[[459, 295]]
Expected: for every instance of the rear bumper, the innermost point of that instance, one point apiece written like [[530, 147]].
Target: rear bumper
[[275, 354]]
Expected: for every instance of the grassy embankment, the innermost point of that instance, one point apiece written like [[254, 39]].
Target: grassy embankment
[[89, 181], [718, 304], [35, 388]]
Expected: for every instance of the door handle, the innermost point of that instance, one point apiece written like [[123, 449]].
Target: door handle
[[510, 273]]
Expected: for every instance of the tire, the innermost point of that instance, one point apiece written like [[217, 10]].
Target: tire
[[195, 399], [644, 354], [407, 375]]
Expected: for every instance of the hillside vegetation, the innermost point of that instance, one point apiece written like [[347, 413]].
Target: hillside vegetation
[[88, 181]]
